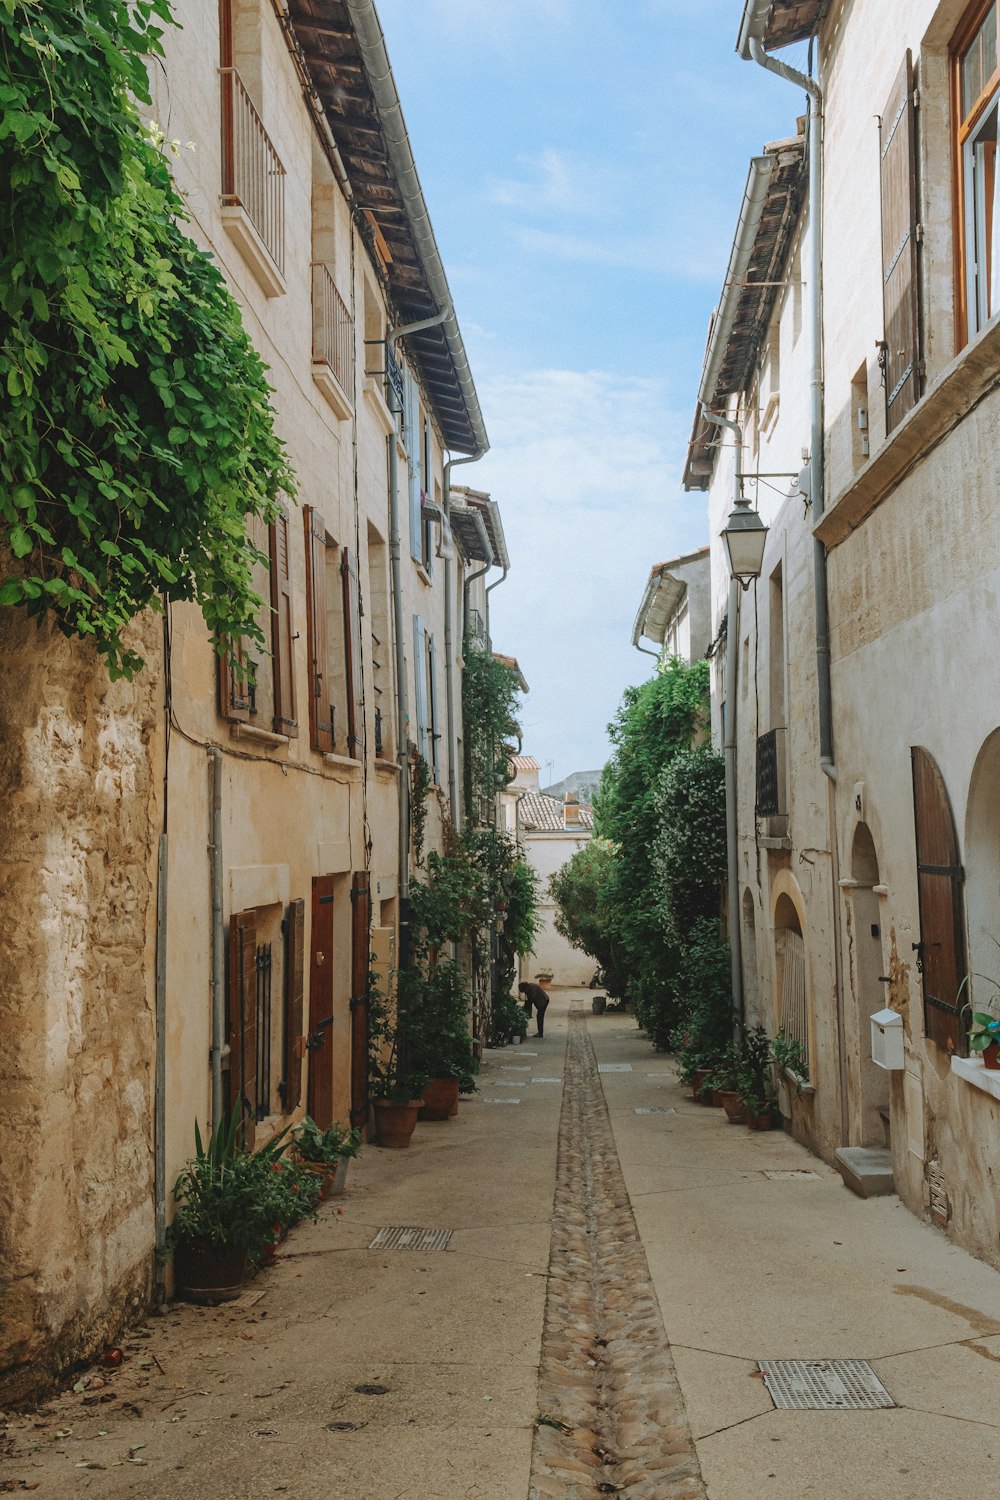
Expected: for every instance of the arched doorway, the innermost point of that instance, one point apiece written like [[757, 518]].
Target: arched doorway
[[791, 998], [869, 992], [982, 873], [751, 977]]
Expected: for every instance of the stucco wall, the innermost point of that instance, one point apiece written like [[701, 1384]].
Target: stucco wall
[[79, 769], [547, 853]]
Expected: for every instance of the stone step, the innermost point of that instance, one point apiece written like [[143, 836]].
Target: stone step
[[866, 1170]]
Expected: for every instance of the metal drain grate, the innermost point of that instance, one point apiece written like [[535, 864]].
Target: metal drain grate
[[546, 1080], [792, 1176], [507, 1083], [513, 1068], [501, 1101], [824, 1385], [407, 1237], [654, 1109], [614, 1067]]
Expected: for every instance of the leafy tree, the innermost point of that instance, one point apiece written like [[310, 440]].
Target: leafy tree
[[585, 891], [136, 433], [689, 850]]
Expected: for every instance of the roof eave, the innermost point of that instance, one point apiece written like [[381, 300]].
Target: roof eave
[[778, 23]]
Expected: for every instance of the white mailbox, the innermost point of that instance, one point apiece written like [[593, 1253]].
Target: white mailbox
[[887, 1040]]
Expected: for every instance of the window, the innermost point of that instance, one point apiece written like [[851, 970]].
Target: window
[[258, 687], [334, 644], [425, 685], [975, 90], [253, 178], [378, 615], [941, 953], [261, 1027], [900, 348]]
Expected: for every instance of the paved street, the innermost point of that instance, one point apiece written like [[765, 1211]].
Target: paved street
[[608, 1347]]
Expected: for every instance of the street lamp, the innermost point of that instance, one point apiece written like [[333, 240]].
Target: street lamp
[[744, 536]]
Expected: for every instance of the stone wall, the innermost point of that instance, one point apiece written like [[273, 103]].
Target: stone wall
[[77, 921]]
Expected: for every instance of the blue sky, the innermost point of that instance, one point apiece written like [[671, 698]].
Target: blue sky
[[583, 164]]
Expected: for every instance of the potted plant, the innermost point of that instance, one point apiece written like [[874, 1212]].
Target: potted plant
[[227, 1201], [756, 1086], [393, 1084], [438, 1042], [327, 1154], [984, 1038], [544, 977], [725, 1084]]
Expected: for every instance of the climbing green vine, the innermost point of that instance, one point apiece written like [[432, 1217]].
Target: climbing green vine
[[136, 433]]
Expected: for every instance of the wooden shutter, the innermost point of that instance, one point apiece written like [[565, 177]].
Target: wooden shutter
[[352, 652], [941, 952], [283, 632], [432, 719], [234, 685], [900, 281], [360, 961], [420, 685], [295, 939], [243, 1018], [321, 725]]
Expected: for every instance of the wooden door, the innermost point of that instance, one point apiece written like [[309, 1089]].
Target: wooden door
[[320, 1038], [941, 950], [360, 959]]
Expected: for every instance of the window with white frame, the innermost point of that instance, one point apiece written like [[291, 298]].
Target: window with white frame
[[976, 94]]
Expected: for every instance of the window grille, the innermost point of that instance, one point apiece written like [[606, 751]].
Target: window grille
[[794, 1018]]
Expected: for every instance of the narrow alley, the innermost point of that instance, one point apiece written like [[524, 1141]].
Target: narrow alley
[[602, 1267]]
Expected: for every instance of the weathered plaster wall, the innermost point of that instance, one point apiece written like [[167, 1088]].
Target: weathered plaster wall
[[78, 828], [547, 853]]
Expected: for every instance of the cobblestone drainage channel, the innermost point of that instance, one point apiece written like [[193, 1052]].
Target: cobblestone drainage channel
[[611, 1418]]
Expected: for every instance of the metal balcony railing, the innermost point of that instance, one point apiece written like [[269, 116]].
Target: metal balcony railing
[[252, 175], [394, 375], [477, 629], [333, 329], [772, 797]]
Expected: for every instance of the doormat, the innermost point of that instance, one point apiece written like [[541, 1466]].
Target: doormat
[[824, 1385], [407, 1237], [614, 1067], [654, 1109]]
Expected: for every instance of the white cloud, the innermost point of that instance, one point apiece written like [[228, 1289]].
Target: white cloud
[[558, 183], [585, 467]]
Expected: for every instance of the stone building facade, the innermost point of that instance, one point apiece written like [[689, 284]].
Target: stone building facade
[[197, 866], [867, 754]]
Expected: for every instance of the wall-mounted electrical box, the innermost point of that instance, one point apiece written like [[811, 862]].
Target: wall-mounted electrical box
[[887, 1040]]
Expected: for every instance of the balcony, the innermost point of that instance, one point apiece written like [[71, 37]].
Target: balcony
[[333, 343], [772, 782], [253, 186]]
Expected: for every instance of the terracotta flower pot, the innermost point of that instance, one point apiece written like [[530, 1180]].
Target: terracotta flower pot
[[395, 1122], [716, 1097], [440, 1099], [205, 1274], [759, 1121], [699, 1078], [991, 1055], [736, 1110]]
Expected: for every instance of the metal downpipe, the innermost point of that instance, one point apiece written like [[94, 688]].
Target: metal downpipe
[[729, 745], [449, 651], [218, 934], [489, 589]]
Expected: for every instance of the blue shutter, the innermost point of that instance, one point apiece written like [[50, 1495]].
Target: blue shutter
[[420, 685], [435, 737]]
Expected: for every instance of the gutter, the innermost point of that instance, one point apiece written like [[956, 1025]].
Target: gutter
[[375, 57], [754, 199], [449, 651]]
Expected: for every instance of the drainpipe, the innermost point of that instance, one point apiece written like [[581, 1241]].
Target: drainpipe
[[729, 742], [814, 90], [489, 589], [218, 935], [449, 650], [160, 1101]]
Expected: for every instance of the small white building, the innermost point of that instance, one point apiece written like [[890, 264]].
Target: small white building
[[550, 830]]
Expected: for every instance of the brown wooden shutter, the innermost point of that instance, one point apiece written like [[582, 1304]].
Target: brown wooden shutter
[[941, 953], [352, 652], [295, 939], [243, 1018], [234, 688], [283, 633], [360, 963], [900, 280], [321, 725]]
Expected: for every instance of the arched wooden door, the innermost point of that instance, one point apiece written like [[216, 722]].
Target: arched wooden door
[[940, 877]]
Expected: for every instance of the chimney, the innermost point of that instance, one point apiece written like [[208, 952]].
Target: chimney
[[571, 811]]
